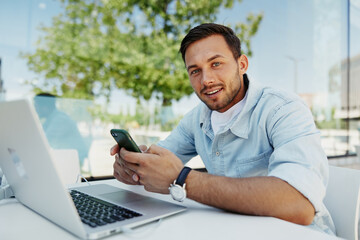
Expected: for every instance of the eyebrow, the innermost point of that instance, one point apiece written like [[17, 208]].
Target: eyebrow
[[209, 60], [214, 57]]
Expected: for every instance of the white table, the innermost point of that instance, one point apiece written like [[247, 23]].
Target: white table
[[198, 222]]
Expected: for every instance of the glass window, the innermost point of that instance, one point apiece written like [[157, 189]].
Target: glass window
[[307, 47]]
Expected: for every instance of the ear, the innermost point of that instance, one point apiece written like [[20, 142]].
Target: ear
[[243, 64]]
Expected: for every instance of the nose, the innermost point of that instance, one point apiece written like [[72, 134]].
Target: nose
[[208, 78]]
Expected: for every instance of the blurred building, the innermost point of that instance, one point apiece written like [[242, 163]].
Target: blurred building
[[350, 96], [2, 88]]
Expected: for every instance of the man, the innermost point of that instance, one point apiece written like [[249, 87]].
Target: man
[[61, 131], [259, 145]]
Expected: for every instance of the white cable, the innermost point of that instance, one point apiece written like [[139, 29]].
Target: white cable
[[5, 189], [81, 176], [6, 192], [143, 229], [1, 175]]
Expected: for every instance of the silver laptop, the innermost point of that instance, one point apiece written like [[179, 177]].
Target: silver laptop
[[27, 163]]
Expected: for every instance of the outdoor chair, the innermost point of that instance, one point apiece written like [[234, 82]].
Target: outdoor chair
[[342, 201]]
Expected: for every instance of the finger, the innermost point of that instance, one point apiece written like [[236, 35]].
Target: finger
[[118, 160], [143, 148], [115, 149], [135, 178], [130, 157], [131, 174], [155, 149], [123, 176], [128, 168], [121, 170]]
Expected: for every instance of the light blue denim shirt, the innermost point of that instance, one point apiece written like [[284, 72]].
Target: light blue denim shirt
[[274, 135]]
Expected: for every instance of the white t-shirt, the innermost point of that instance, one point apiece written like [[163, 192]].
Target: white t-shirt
[[219, 120]]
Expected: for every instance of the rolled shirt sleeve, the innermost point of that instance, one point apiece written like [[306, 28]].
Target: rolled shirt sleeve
[[298, 157]]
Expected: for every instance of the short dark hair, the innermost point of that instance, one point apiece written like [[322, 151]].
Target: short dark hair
[[208, 29]]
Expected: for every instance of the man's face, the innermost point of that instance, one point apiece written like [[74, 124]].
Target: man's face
[[215, 75]]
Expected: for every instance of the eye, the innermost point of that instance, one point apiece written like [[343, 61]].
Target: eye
[[194, 71], [216, 64]]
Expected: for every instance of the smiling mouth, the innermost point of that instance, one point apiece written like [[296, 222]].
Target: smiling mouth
[[213, 92]]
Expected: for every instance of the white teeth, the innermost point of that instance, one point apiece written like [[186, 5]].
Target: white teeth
[[215, 91]]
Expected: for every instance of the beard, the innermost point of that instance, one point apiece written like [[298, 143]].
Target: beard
[[228, 98]]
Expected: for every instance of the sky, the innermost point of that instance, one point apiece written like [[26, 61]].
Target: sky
[[19, 21], [293, 32]]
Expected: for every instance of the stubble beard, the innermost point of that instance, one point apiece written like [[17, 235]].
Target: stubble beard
[[228, 99]]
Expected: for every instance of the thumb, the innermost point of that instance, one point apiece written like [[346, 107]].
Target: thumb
[[155, 149], [115, 149]]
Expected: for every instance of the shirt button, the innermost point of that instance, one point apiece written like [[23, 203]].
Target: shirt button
[[217, 153]]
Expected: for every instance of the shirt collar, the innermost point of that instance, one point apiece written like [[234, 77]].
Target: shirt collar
[[239, 127]]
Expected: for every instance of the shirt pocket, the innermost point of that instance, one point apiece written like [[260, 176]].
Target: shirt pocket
[[253, 166]]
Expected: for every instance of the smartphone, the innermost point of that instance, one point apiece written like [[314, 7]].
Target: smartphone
[[123, 138]]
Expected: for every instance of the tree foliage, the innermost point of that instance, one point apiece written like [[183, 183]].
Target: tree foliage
[[96, 46]]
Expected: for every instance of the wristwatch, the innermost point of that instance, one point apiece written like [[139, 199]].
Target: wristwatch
[[177, 189]]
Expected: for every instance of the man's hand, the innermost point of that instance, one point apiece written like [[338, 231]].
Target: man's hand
[[122, 173], [156, 168]]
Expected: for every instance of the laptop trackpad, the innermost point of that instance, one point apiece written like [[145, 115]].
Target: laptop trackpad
[[122, 197]]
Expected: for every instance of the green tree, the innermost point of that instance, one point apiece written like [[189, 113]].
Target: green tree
[[96, 46]]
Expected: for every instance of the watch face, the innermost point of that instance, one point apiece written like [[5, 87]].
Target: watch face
[[177, 192]]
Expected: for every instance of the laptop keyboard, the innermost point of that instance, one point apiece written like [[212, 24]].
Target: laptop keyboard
[[96, 212]]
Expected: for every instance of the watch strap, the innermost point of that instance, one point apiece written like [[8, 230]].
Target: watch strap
[[182, 176]]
